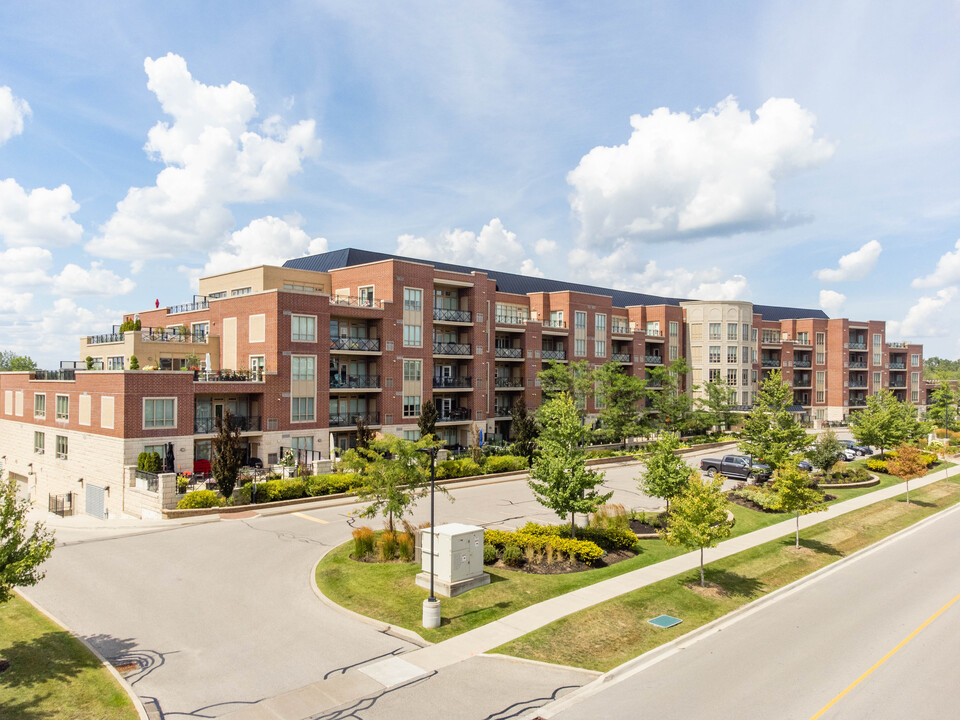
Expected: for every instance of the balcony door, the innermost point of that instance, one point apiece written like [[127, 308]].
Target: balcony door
[[444, 406]]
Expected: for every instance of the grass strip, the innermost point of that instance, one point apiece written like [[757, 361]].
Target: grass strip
[[52, 674], [608, 634]]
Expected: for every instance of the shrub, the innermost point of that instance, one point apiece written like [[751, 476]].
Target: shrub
[[512, 556], [387, 546], [877, 465], [149, 461], [763, 497], [583, 550], [504, 463], [362, 542], [848, 475], [461, 467], [332, 484], [182, 483], [405, 546], [134, 363], [200, 499], [607, 538], [489, 554], [241, 495], [609, 516]]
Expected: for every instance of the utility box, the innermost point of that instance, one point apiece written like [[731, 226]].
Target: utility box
[[458, 559]]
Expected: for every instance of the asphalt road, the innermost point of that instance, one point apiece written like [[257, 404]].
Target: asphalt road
[[794, 656], [222, 614]]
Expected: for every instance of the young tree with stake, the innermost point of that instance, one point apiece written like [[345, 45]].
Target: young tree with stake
[[699, 517]]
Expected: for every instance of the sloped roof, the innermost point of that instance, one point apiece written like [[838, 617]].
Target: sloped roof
[[523, 284]]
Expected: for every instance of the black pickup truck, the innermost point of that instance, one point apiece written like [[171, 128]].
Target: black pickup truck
[[735, 467]]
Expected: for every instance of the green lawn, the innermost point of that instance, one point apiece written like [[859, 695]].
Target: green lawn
[[607, 635], [52, 674]]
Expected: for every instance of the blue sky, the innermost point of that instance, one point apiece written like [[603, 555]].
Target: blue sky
[[786, 153]]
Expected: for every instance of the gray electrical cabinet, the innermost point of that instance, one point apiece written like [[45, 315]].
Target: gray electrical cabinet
[[458, 559]]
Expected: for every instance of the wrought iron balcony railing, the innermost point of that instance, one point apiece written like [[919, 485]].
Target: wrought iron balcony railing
[[346, 419], [553, 355], [443, 314], [509, 352], [452, 382], [508, 382], [360, 382], [356, 344]]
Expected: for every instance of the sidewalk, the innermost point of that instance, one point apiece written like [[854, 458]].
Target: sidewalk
[[396, 671]]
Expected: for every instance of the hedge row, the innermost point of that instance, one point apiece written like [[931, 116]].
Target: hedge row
[[609, 539], [466, 467], [880, 465], [582, 550]]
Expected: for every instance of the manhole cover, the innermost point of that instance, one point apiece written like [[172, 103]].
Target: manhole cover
[[665, 621]]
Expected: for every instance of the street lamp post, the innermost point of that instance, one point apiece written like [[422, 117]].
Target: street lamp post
[[431, 606]]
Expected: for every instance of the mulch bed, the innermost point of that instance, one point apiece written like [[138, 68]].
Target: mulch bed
[[750, 505], [565, 566], [642, 528]]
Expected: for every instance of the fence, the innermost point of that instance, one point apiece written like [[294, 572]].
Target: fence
[[61, 505]]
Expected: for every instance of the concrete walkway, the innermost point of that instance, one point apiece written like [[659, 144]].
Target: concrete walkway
[[394, 672]]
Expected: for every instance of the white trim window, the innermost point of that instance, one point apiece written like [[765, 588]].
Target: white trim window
[[365, 294], [63, 407], [302, 367], [302, 409], [411, 406], [303, 328], [39, 442], [159, 413], [62, 447], [412, 370], [40, 405], [413, 299]]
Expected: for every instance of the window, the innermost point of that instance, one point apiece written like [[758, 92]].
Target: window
[[600, 323], [200, 331], [674, 352], [753, 376], [304, 328], [745, 377], [821, 357], [62, 447], [412, 370], [115, 363], [876, 380], [366, 295], [915, 380], [580, 346], [411, 406], [914, 396], [731, 376], [732, 353], [413, 299], [753, 334], [745, 355], [753, 354], [731, 331], [674, 328], [803, 338], [653, 327], [301, 443], [746, 332], [39, 405], [821, 338], [771, 336], [412, 336], [714, 331], [714, 375], [302, 409], [411, 435], [302, 368], [300, 288], [159, 412], [580, 320], [877, 358], [241, 291], [63, 407], [600, 348], [714, 353], [821, 396], [746, 397], [215, 295], [877, 340], [915, 360], [556, 318], [39, 441]]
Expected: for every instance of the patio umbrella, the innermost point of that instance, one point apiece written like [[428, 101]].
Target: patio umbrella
[[207, 363], [168, 465]]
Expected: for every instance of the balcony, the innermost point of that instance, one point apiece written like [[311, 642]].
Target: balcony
[[518, 320], [445, 315], [653, 333], [355, 344], [359, 382], [858, 400], [188, 307], [105, 339], [452, 383], [508, 382], [620, 330], [857, 365], [228, 376], [555, 324], [620, 357], [898, 384], [896, 366], [768, 363], [510, 353], [361, 302], [457, 414], [858, 383], [801, 382], [857, 345], [452, 349], [802, 363], [897, 345], [246, 423], [502, 411], [348, 419], [161, 335], [653, 359], [553, 355]]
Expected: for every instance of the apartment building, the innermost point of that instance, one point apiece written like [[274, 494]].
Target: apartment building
[[298, 353]]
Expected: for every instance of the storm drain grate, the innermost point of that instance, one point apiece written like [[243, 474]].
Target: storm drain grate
[[665, 621]]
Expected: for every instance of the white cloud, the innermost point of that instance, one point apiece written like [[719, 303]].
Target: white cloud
[[831, 301], [13, 303], [494, 247], [12, 112], [65, 319], [681, 176], [947, 271], [853, 266], [20, 260], [617, 270], [545, 247], [212, 159], [75, 281], [265, 241], [928, 317], [40, 217]]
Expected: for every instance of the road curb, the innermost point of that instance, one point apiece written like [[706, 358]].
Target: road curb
[[127, 687], [662, 652]]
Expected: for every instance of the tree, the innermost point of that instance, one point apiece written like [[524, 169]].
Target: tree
[[884, 423], [672, 403], [428, 419], [394, 475], [826, 451], [575, 379], [907, 464], [621, 396], [942, 410], [796, 495], [770, 432], [228, 454], [16, 363], [667, 474], [21, 554], [559, 477], [718, 401], [364, 433], [525, 431], [699, 516], [134, 363]]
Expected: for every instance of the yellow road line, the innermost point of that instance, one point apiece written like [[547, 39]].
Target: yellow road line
[[886, 657], [310, 517]]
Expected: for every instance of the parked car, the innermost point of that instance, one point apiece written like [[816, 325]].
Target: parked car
[[804, 465], [858, 449], [735, 467], [255, 462]]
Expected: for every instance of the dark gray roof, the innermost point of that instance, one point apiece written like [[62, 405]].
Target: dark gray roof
[[522, 284]]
